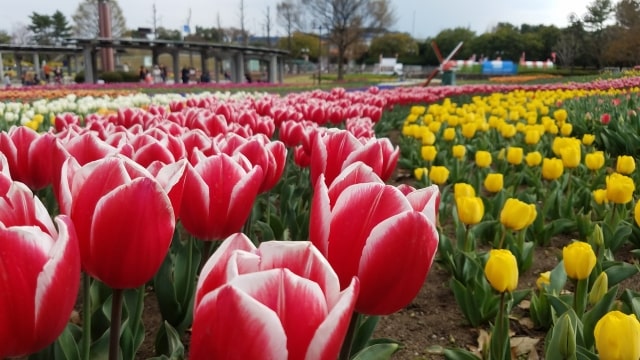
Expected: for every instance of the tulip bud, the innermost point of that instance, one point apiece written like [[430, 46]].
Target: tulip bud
[[463, 189], [620, 188], [483, 158], [543, 279], [599, 289], [420, 173], [625, 164], [428, 152], [517, 215], [598, 236], [494, 182], [588, 139], [470, 209], [567, 338], [514, 155], [439, 175], [449, 134], [533, 158], [459, 151]]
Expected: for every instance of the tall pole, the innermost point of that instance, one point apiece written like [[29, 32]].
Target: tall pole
[[104, 24], [319, 54]]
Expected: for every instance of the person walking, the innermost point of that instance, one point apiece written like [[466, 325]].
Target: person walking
[[185, 75]]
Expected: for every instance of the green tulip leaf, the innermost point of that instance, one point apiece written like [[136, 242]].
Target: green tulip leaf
[[584, 354], [175, 348], [459, 354], [619, 271], [377, 352], [631, 300], [364, 332], [558, 279]]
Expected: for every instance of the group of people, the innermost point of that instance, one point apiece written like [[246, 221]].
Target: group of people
[[57, 74], [155, 76]]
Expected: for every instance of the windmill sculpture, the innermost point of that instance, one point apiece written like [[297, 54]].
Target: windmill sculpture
[[445, 63]]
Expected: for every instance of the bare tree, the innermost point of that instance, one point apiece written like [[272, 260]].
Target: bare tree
[[267, 25], [20, 34], [347, 21], [86, 19], [245, 40], [155, 19], [288, 16]]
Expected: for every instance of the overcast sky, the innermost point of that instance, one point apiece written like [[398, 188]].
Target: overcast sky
[[420, 18]]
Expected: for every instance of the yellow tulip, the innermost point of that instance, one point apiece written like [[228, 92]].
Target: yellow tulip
[[435, 126], [532, 137], [588, 139], [449, 134], [571, 156], [494, 182], [517, 215], [553, 129], [636, 213], [514, 155], [617, 336], [428, 152], [560, 115], [625, 164], [458, 151], [470, 209], [552, 168], [469, 130], [483, 158], [600, 196], [501, 270], [543, 279], [507, 130], [594, 160], [439, 174], [579, 260], [533, 158], [620, 188], [418, 110], [463, 189], [420, 173], [566, 129], [428, 138]]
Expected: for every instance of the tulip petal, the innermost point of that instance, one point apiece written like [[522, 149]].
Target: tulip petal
[[320, 217], [356, 213], [329, 336], [58, 284], [427, 201], [355, 173], [409, 242], [195, 204], [23, 253], [370, 154], [212, 275], [227, 317], [118, 236], [304, 260]]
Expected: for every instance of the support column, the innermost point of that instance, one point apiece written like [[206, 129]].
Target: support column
[[36, 65], [273, 69], [175, 62], [204, 57], [154, 56], [281, 70], [238, 68], [88, 65], [18, 60], [218, 69], [1, 68]]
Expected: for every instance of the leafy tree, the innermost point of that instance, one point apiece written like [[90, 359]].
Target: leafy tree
[[392, 44], [346, 21], [60, 26], [163, 33], [447, 40], [5, 38], [598, 12], [301, 44], [86, 19], [624, 47], [41, 27]]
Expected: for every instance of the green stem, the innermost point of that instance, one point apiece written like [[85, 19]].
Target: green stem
[[580, 297], [345, 351], [467, 239], [86, 316], [116, 320], [504, 234], [501, 332]]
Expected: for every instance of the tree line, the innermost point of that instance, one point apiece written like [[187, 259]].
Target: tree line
[[358, 31]]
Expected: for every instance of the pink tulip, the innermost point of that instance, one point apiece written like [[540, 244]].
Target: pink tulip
[[283, 297], [219, 192], [375, 232], [40, 272], [27, 156], [123, 217], [334, 151], [605, 118]]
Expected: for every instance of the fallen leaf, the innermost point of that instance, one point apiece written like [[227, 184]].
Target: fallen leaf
[[523, 345], [524, 304], [526, 322]]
